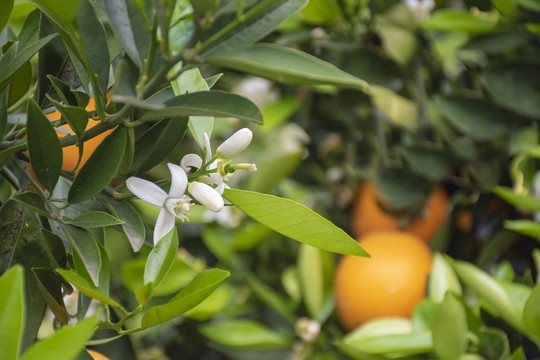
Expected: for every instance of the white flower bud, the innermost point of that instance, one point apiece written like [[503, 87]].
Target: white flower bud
[[190, 161], [206, 195], [235, 144]]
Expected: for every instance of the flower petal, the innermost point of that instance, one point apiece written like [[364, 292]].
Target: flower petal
[[208, 147], [216, 179], [190, 161], [206, 195], [146, 191], [179, 181], [164, 224], [235, 144]]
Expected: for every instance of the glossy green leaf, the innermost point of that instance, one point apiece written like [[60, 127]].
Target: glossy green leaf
[[207, 103], [188, 82], [442, 279], [64, 344], [59, 8], [284, 65], [76, 117], [11, 63], [531, 312], [519, 354], [64, 92], [491, 292], [12, 310], [245, 334], [33, 201], [396, 28], [100, 168], [507, 7], [526, 202], [20, 83], [161, 258], [398, 109], [189, 297], [51, 286], [86, 254], [157, 143], [94, 39], [458, 20], [5, 11], [432, 164], [295, 221], [132, 224], [475, 118], [3, 111], [129, 28], [515, 87], [255, 24], [449, 329], [87, 287], [526, 227], [44, 147], [311, 279], [93, 219]]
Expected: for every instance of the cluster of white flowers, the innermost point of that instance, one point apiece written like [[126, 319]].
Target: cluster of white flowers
[[206, 189], [421, 8]]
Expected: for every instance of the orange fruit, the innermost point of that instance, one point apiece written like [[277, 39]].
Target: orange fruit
[[368, 215], [71, 153], [390, 283], [96, 356]]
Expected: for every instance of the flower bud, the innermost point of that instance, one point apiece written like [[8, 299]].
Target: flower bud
[[206, 195], [235, 144], [190, 161]]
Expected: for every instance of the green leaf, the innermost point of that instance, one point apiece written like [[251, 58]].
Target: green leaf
[[526, 227], [94, 39], [442, 279], [458, 20], [157, 143], [449, 329], [20, 83], [531, 312], [129, 27], [33, 201], [44, 147], [207, 103], [64, 344], [131, 222], [255, 24], [87, 287], [398, 109], [3, 111], [432, 164], [85, 250], [507, 7], [188, 82], [284, 65], [311, 279], [76, 117], [189, 297], [475, 118], [295, 221], [245, 334], [491, 292], [270, 297], [93, 219], [12, 310], [5, 11], [396, 29], [526, 202], [100, 168], [161, 258], [515, 87], [59, 8], [51, 286]]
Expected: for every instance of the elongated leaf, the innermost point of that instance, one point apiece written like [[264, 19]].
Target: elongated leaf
[[295, 221], [157, 143], [192, 295], [458, 20], [33, 201], [44, 147], [11, 312], [95, 41], [210, 103], [161, 258], [59, 8], [3, 111], [132, 224], [64, 344], [50, 284], [129, 28], [399, 110], [531, 312], [442, 279], [86, 256], [311, 279], [256, 23], [526, 202], [285, 65], [100, 168], [245, 334], [93, 219], [450, 329], [526, 227], [5, 11], [87, 287]]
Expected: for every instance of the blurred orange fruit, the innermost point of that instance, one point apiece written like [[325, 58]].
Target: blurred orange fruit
[[96, 356], [368, 215], [390, 283]]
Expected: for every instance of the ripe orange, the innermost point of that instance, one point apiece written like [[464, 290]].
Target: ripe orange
[[71, 153], [390, 283], [368, 215], [96, 356]]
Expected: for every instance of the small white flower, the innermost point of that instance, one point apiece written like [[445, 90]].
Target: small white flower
[[235, 144], [174, 204], [420, 8], [206, 195]]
